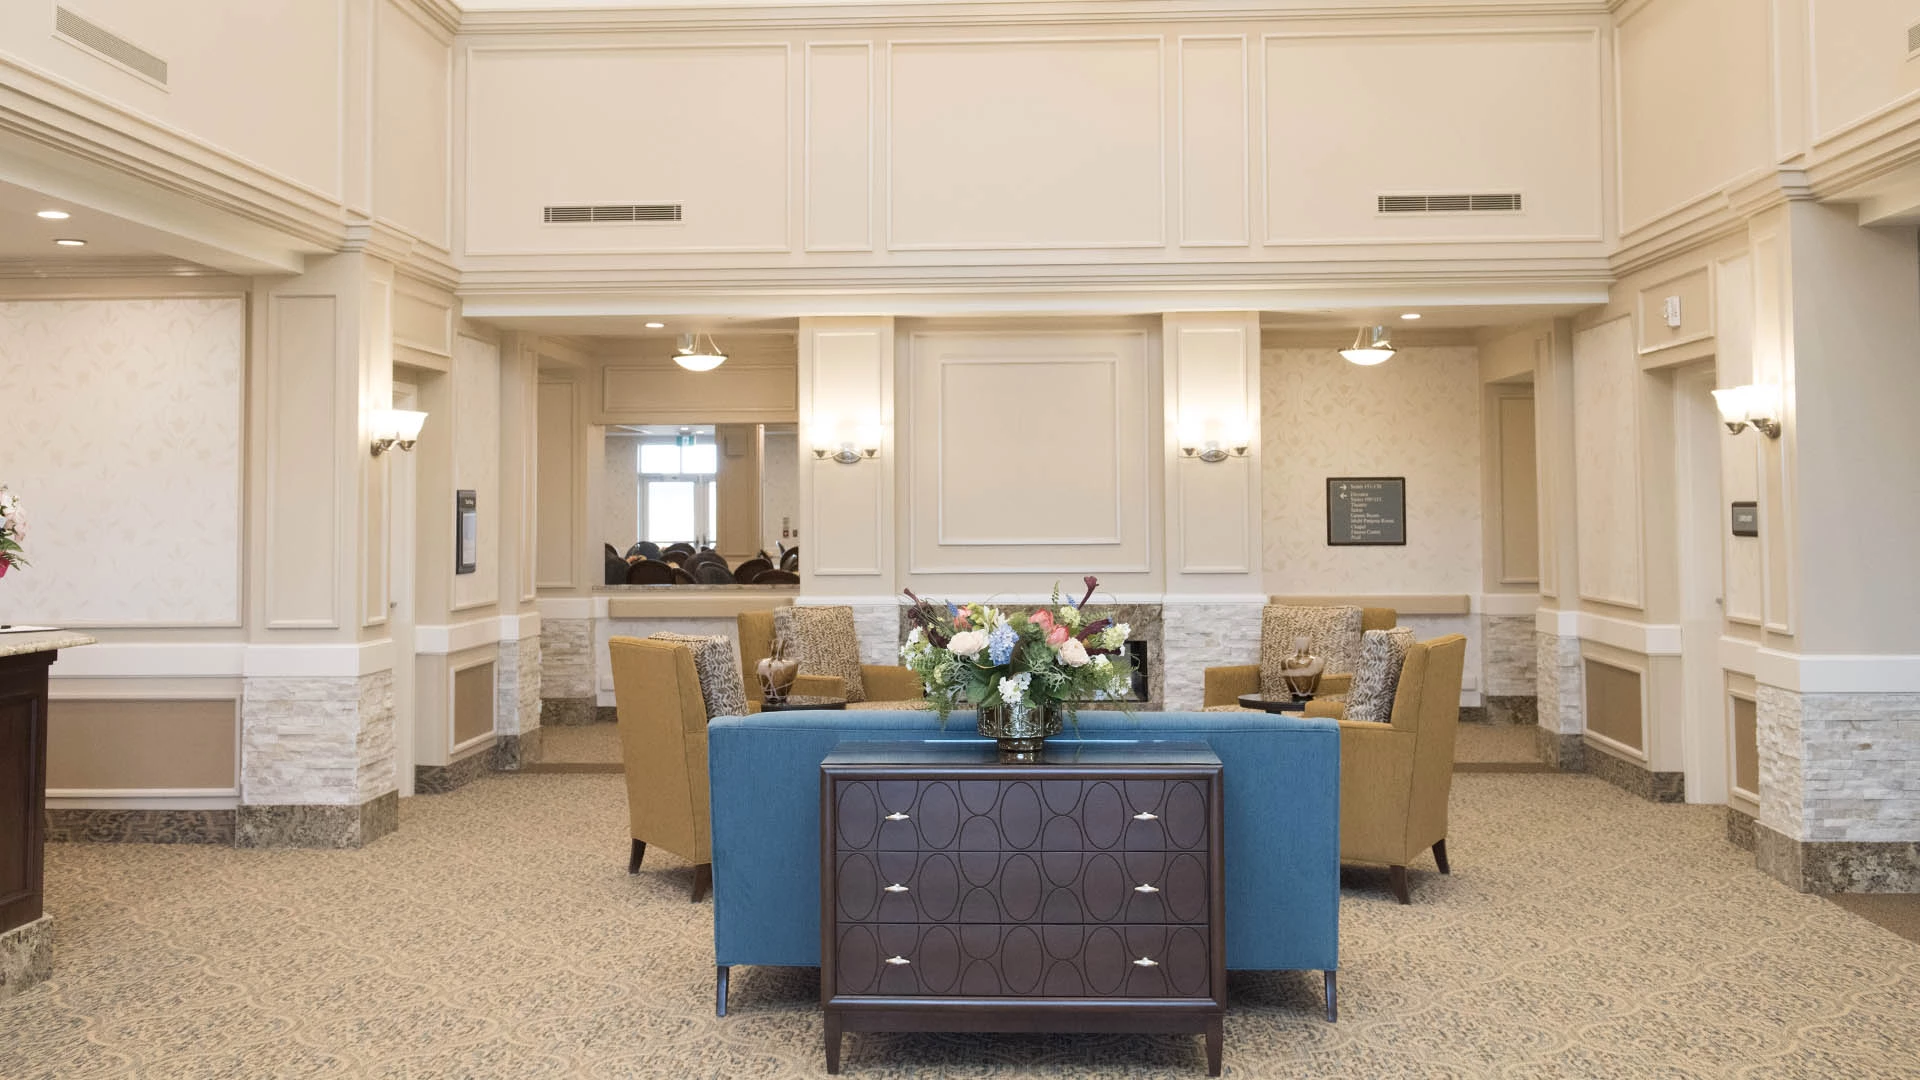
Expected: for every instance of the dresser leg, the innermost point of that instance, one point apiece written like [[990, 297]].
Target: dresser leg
[[1215, 1037], [1333, 996], [833, 1043], [720, 990]]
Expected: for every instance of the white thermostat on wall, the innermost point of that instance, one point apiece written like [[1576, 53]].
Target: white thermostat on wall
[[1673, 312]]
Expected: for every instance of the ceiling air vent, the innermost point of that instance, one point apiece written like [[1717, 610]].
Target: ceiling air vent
[[111, 46], [564, 215], [1505, 202]]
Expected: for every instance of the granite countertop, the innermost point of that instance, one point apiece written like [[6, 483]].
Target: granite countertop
[[37, 641]]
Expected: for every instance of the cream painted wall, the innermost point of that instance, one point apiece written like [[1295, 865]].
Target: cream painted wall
[[1417, 416], [275, 103], [476, 464], [1694, 90], [638, 383], [124, 438]]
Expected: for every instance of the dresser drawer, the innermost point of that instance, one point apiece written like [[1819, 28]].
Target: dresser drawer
[[1021, 815], [1022, 887], [913, 960]]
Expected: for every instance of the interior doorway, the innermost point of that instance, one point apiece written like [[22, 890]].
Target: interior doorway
[[1697, 434], [401, 513]]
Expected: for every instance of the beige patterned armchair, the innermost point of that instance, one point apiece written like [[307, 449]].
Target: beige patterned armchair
[[1332, 633]]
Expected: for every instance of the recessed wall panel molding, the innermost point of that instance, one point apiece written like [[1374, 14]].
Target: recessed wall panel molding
[[1209, 363], [123, 430], [1860, 63], [1065, 413], [558, 481], [1739, 458], [1687, 299], [1693, 88], [166, 744], [846, 392], [1606, 434], [747, 389], [1772, 349], [839, 165], [1512, 111], [569, 125], [1214, 141], [376, 392], [476, 465], [1038, 143], [303, 469], [1518, 491], [412, 164]]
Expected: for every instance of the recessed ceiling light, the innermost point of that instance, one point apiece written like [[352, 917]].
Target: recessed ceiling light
[[53, 215], [71, 243], [1411, 316], [656, 326]]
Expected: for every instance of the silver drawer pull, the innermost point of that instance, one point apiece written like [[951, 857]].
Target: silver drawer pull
[[1145, 816], [896, 887], [896, 816], [901, 961], [1145, 961], [1145, 888]]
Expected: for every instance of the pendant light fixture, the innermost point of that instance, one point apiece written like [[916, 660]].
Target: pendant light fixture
[[695, 357], [1372, 346]]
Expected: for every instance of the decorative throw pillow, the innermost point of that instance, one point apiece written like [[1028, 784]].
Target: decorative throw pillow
[[721, 687], [1333, 633], [822, 639], [1382, 654]]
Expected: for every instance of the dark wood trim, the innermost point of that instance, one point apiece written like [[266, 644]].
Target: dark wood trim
[[23, 754]]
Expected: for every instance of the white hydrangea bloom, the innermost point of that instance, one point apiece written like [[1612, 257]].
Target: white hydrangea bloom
[[1014, 689]]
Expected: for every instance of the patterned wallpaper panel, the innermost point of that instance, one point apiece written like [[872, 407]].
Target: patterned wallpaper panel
[[120, 428], [1417, 416]]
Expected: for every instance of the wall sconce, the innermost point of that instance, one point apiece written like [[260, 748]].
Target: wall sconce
[[847, 451], [1214, 442], [1756, 405], [394, 427], [1212, 452]]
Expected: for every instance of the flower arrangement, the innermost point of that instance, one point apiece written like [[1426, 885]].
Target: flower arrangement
[[13, 532], [1054, 658]]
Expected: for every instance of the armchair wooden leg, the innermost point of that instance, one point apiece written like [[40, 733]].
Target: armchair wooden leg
[[702, 881], [1333, 997], [639, 852], [1397, 878], [720, 991], [1440, 856]]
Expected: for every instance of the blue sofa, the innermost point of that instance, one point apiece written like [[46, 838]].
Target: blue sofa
[[1282, 779]]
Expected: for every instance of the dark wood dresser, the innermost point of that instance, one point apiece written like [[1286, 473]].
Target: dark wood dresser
[[1081, 892], [26, 936]]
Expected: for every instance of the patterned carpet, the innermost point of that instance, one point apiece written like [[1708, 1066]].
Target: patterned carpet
[[1583, 933]]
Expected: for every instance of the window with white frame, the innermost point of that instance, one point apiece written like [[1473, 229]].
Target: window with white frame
[[679, 489]]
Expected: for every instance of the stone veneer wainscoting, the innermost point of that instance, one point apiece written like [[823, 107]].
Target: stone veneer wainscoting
[[317, 761], [567, 693], [1198, 635], [1561, 701], [1826, 825], [517, 707], [1511, 679]]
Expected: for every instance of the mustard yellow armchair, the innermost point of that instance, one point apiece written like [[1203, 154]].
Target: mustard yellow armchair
[[663, 741], [1395, 778], [1224, 685], [884, 683]]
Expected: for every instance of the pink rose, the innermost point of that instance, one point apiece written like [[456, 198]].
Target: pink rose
[[960, 621], [1042, 619], [1058, 636]]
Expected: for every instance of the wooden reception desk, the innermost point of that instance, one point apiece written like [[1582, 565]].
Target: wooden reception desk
[[26, 934]]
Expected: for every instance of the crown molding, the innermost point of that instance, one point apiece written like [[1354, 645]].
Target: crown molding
[[443, 13], [412, 256], [105, 266], [687, 15]]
